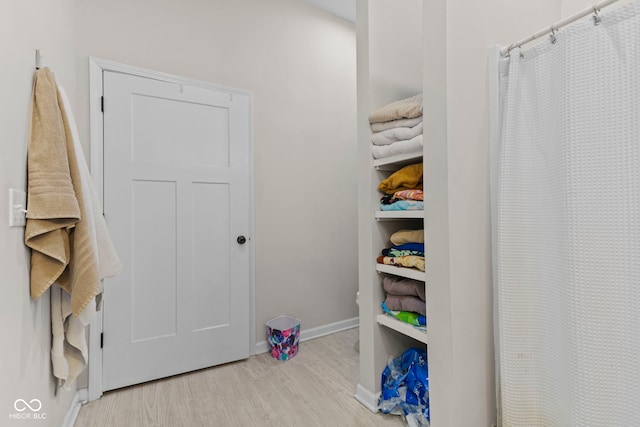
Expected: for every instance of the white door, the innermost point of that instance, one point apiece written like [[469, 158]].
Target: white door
[[176, 199]]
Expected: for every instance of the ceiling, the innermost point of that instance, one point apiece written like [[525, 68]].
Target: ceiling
[[343, 8]]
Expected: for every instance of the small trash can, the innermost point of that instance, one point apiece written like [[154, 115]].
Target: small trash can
[[284, 334]]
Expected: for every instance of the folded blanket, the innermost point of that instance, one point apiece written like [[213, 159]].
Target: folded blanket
[[403, 205], [403, 261], [392, 135], [406, 303], [407, 108], [411, 246], [388, 199], [409, 195], [407, 178], [401, 252], [407, 236], [400, 123], [412, 145], [400, 286], [409, 317], [52, 204]]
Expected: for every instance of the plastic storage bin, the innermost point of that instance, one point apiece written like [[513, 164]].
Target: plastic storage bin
[[284, 334]]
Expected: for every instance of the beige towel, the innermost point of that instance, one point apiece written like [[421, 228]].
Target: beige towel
[[400, 123], [407, 236], [98, 259], [82, 282], [52, 205], [407, 108]]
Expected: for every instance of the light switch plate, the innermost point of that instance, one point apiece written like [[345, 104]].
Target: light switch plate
[[17, 208]]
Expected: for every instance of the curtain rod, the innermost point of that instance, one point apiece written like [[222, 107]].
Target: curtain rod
[[552, 29]]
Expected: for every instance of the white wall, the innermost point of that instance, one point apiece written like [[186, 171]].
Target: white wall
[[299, 62], [25, 368], [457, 36]]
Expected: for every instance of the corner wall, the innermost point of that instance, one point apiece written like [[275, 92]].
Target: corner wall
[[25, 331], [389, 69]]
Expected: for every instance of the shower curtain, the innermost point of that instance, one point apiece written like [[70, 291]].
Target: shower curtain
[[567, 227]]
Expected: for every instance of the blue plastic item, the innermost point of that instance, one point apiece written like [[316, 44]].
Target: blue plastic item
[[405, 387]]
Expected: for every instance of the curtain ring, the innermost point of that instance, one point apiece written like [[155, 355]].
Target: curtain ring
[[509, 49], [596, 16], [552, 37]]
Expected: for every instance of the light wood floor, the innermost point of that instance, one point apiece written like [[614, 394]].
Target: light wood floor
[[315, 388]]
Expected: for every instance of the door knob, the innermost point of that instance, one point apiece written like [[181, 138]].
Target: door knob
[[241, 240]]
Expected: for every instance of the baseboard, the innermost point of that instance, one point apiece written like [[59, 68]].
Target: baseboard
[[79, 399], [317, 332], [368, 399]]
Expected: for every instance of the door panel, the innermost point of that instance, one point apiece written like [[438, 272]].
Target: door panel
[[154, 281], [176, 195], [210, 259]]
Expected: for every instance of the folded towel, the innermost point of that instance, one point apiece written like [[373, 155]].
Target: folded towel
[[400, 286], [400, 123], [409, 317], [413, 145], [401, 252], [390, 136], [407, 178], [409, 195], [407, 236], [53, 208], [406, 303], [403, 261], [403, 205], [411, 246], [407, 108]]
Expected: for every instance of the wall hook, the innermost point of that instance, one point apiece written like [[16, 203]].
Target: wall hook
[[38, 57]]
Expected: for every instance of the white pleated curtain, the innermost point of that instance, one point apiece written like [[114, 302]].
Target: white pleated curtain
[[567, 227]]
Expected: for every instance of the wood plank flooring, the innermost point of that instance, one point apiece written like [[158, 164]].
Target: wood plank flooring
[[314, 389]]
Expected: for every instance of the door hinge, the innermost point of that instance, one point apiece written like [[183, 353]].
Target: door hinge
[[102, 104], [101, 339]]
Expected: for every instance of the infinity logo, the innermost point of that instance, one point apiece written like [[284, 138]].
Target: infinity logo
[[21, 405]]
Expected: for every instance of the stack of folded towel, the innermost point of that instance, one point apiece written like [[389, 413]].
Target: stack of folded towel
[[405, 300], [407, 250], [405, 297], [397, 128], [403, 190]]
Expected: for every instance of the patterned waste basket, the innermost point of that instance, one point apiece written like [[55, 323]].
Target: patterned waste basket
[[284, 334]]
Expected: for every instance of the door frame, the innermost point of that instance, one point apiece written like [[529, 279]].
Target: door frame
[[97, 66]]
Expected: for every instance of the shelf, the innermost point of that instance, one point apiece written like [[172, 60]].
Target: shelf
[[415, 332], [385, 215], [409, 273], [394, 163]]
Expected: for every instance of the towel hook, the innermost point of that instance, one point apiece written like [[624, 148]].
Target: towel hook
[[596, 16], [38, 57], [552, 37]]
